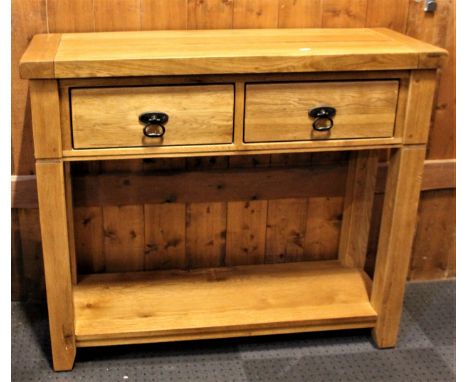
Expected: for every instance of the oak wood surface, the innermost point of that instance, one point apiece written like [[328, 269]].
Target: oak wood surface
[[227, 51], [279, 112], [357, 211], [45, 109], [32, 16], [438, 175], [219, 301], [57, 254], [395, 241], [108, 117]]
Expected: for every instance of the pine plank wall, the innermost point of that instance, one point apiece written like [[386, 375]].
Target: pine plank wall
[[119, 237]]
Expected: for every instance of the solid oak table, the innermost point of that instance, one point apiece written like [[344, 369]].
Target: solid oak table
[[124, 95]]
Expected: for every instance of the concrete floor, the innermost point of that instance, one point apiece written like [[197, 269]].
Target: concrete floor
[[426, 351]]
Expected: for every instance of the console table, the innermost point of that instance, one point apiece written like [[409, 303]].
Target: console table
[[124, 95]]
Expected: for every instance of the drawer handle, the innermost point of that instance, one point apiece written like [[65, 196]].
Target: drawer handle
[[323, 117], [154, 124]]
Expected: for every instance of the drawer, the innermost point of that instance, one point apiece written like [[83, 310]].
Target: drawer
[[109, 116], [279, 111]]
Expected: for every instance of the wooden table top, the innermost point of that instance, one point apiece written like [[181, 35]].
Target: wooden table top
[[108, 54]]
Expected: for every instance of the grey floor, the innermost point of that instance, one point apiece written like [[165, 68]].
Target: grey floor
[[426, 351]]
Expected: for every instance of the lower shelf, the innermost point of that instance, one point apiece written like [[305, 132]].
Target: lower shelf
[[161, 306]]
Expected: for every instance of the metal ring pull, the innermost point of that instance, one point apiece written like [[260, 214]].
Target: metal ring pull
[[152, 130], [154, 124], [323, 117], [323, 124]]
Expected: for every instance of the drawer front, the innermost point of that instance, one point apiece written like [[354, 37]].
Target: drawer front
[[109, 117], [279, 112]]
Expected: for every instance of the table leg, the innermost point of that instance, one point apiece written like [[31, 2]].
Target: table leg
[[395, 241], [57, 248]]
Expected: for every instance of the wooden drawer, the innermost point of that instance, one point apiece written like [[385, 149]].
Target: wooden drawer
[[109, 116], [279, 111]]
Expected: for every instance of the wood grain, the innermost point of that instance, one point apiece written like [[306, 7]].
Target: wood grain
[[419, 108], [205, 226], [226, 51], [209, 186], [124, 238], [255, 14], [435, 258], [28, 17], [324, 219], [247, 300], [165, 236], [279, 112], [344, 13], [70, 16], [117, 15], [45, 111], [388, 14], [57, 265], [285, 230], [300, 14], [27, 269], [109, 117], [210, 14], [396, 238], [245, 242], [163, 14], [358, 203], [89, 239]]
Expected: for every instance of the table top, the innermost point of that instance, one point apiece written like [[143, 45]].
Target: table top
[[109, 54]]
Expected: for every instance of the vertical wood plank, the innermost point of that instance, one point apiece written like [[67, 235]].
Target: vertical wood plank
[[205, 234], [27, 270], [286, 226], [89, 239], [255, 14], [358, 202], [344, 13], [439, 29], [117, 15], [28, 17], [300, 14], [210, 14], [70, 16], [245, 243], [324, 219], [163, 14], [56, 254], [164, 236], [206, 222], [396, 238], [432, 258], [388, 14], [124, 238]]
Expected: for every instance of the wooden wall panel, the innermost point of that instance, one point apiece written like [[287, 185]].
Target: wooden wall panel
[[387, 14], [435, 258], [210, 14], [255, 14], [70, 16], [439, 29], [163, 14], [300, 14], [307, 228], [29, 17], [344, 13], [117, 15]]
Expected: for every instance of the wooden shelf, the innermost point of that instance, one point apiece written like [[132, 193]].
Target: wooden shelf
[[220, 302]]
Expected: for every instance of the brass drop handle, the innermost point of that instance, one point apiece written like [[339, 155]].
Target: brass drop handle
[[323, 117], [154, 124]]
